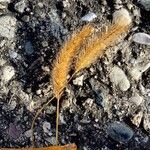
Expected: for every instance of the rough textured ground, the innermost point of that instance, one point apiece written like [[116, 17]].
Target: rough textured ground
[[114, 90]]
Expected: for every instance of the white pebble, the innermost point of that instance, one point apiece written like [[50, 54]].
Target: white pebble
[[41, 5], [46, 126], [51, 140], [118, 77], [2, 43], [129, 6], [13, 54], [137, 118], [122, 17], [2, 62], [28, 133], [7, 73], [137, 71], [89, 17], [31, 106], [66, 3], [118, 1], [78, 81], [62, 119], [141, 38], [20, 6], [12, 105], [136, 99], [4, 1], [7, 26], [38, 92], [146, 122]]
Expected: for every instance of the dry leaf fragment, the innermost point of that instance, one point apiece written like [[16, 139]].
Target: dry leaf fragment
[[65, 147]]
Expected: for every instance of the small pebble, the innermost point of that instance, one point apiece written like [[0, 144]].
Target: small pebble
[[40, 5], [29, 48], [66, 3], [46, 127], [137, 71], [78, 80], [38, 92], [62, 119], [99, 99], [31, 106], [117, 1], [141, 38], [12, 105], [122, 17], [2, 43], [26, 18], [88, 102], [50, 109], [136, 13], [130, 6], [51, 140], [28, 133], [118, 4], [137, 118], [136, 99], [7, 26], [2, 62], [117, 7], [44, 43], [146, 122], [120, 132], [20, 6], [5, 1], [89, 17], [118, 77], [7, 73], [13, 55]]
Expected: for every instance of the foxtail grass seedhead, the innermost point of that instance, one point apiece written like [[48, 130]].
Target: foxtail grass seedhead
[[96, 48], [64, 59], [91, 51], [63, 63]]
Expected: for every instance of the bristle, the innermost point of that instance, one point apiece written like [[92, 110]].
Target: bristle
[[96, 49], [64, 59]]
